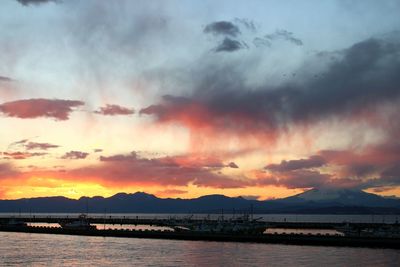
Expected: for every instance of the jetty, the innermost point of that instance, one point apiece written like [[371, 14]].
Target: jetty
[[37, 225], [166, 221], [289, 239]]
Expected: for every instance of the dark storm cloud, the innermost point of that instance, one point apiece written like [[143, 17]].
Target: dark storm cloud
[[222, 28], [36, 2], [229, 45], [372, 167], [284, 35], [366, 76]]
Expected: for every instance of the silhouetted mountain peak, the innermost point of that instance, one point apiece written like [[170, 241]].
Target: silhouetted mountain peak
[[340, 196], [142, 195], [213, 197], [52, 198], [319, 200], [119, 196], [318, 194]]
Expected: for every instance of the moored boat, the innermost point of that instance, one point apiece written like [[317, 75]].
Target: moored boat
[[82, 223], [241, 225]]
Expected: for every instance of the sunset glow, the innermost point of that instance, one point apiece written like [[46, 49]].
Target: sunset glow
[[165, 97]]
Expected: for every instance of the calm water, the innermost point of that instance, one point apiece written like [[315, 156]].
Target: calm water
[[21, 249]]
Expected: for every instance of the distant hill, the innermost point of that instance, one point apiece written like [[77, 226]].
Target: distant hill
[[341, 197], [339, 201], [315, 201]]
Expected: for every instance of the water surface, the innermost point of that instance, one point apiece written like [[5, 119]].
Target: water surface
[[24, 249]]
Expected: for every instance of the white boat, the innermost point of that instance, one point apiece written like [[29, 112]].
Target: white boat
[[241, 225], [82, 223]]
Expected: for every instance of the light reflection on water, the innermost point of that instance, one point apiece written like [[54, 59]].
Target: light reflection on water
[[22, 249], [302, 231]]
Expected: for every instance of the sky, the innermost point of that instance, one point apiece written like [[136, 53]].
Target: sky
[[260, 99]]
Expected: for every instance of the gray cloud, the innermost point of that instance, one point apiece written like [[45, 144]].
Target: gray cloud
[[290, 165], [375, 166], [36, 2], [21, 154], [261, 42], [39, 146], [247, 23], [112, 110], [19, 142], [364, 77], [229, 45], [296, 179], [222, 28], [233, 165], [75, 155], [5, 79], [284, 35]]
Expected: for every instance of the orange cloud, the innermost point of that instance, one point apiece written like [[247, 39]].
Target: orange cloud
[[130, 169], [57, 109], [124, 170]]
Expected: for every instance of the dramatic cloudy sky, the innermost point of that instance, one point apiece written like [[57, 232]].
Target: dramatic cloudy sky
[[263, 99]]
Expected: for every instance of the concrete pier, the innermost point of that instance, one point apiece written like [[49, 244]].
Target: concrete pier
[[146, 220], [292, 239]]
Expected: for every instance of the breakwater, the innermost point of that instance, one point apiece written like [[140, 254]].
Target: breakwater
[[292, 239], [136, 220]]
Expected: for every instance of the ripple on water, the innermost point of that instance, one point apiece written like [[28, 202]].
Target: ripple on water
[[18, 249]]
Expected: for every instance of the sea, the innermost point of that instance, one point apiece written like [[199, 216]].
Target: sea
[[26, 249]]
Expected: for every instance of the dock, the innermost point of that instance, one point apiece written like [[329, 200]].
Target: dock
[[44, 224], [165, 221], [289, 239]]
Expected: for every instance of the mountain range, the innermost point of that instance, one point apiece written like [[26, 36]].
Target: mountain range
[[314, 201]]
